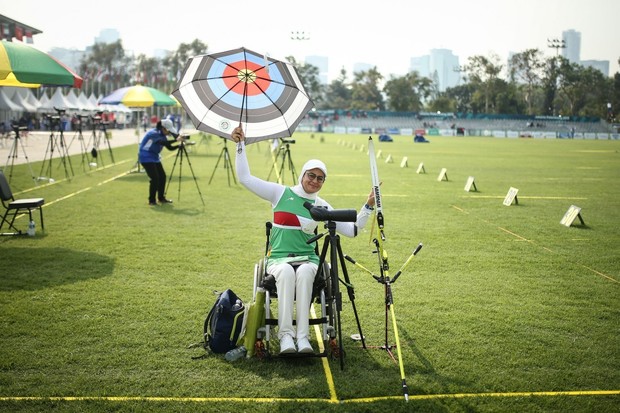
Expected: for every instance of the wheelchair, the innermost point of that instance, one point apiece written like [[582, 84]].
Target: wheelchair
[[324, 295]]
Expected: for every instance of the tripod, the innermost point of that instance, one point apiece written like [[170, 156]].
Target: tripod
[[99, 128], [13, 152], [227, 164], [284, 151], [80, 137], [56, 141], [182, 152], [332, 244]]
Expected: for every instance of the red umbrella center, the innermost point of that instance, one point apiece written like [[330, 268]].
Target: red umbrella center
[[246, 78]]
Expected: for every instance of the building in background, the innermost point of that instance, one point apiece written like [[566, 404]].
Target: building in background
[[602, 65], [108, 36], [572, 42], [12, 29], [441, 66], [322, 63], [362, 67]]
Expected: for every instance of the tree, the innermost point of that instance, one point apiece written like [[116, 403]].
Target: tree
[[442, 103], [482, 71], [338, 94], [365, 91], [582, 90], [104, 65], [174, 63], [614, 98], [550, 84], [462, 96], [309, 76], [527, 67], [406, 93]]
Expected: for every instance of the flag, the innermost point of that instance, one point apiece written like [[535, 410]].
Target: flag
[[19, 34]]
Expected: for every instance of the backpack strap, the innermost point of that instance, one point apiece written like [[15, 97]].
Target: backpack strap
[[205, 336]]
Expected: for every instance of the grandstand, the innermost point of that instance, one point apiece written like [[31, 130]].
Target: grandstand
[[458, 124]]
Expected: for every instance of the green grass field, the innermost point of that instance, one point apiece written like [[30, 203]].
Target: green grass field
[[504, 309]]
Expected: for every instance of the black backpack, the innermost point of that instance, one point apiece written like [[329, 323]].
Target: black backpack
[[223, 323]]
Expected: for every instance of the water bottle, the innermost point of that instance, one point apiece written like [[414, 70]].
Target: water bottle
[[31, 229], [236, 353]]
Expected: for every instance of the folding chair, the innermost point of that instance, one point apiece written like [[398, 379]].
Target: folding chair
[[14, 207]]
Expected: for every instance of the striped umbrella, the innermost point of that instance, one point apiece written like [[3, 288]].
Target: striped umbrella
[[24, 66], [139, 96], [240, 87]]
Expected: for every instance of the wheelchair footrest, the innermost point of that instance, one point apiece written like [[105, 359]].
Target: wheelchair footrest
[[312, 321]]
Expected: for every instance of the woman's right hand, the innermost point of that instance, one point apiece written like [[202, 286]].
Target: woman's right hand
[[237, 134]]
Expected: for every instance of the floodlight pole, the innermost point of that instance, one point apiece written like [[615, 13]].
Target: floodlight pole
[[556, 44]]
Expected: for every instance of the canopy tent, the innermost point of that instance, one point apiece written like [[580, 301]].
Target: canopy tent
[[94, 101], [32, 99], [72, 101], [23, 103], [6, 104], [85, 104], [45, 105], [58, 101]]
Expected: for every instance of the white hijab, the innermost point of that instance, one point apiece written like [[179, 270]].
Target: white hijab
[[311, 164]]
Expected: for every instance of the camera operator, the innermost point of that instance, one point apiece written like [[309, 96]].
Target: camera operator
[[149, 156], [292, 261]]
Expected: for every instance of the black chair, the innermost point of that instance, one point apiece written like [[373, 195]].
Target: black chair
[[14, 207]]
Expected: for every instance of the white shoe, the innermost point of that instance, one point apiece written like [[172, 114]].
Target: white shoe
[[304, 345], [287, 345]]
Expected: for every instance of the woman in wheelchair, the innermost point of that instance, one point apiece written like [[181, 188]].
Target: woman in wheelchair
[[292, 261]]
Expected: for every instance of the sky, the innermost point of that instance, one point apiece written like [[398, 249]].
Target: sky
[[385, 33]]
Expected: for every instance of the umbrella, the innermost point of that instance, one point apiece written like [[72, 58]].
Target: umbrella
[[22, 65], [10, 80], [222, 90], [138, 96]]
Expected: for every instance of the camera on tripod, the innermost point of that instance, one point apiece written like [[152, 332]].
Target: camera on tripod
[[54, 120], [98, 118], [284, 140]]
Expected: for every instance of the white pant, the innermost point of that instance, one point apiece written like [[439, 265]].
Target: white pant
[[294, 286]]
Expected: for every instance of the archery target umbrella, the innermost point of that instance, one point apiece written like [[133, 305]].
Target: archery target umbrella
[[240, 87]]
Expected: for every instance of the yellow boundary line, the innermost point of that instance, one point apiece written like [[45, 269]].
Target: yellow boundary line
[[571, 393], [328, 374], [521, 238], [47, 204], [570, 198]]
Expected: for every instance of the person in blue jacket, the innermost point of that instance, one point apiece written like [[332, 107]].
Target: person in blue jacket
[[149, 156]]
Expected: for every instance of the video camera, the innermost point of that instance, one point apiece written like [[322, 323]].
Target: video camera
[[54, 119], [60, 111], [98, 118], [284, 140]]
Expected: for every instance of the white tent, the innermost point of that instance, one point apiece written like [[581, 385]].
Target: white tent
[[32, 99], [58, 101], [85, 104], [72, 101], [7, 104], [94, 101], [45, 105], [23, 103]]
